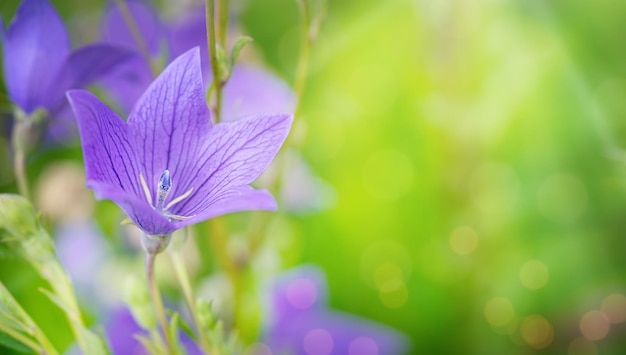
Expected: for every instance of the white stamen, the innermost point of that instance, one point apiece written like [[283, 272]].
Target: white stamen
[[178, 199], [178, 218], [146, 190]]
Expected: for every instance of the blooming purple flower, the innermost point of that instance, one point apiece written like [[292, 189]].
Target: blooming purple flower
[[300, 322], [250, 90], [168, 166], [39, 66]]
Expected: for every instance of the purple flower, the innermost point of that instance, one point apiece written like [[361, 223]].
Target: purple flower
[[168, 166], [39, 66], [250, 89], [300, 322], [121, 328]]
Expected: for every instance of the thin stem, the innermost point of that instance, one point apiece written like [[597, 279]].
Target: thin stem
[[20, 173], [22, 128], [212, 45], [157, 302], [219, 243], [305, 49], [223, 9], [183, 279], [136, 34]]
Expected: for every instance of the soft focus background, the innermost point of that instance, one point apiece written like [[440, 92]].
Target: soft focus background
[[473, 167]]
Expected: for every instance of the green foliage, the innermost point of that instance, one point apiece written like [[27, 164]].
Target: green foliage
[[20, 230]]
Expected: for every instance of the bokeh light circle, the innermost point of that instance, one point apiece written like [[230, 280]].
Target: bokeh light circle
[[363, 346], [536, 331], [534, 274], [301, 293], [499, 311], [614, 308], [463, 240], [394, 294], [594, 325], [318, 342]]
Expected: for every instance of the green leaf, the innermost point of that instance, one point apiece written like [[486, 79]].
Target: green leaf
[[21, 231], [184, 326], [14, 344], [234, 52]]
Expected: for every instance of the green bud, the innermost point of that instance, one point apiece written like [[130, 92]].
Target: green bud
[[205, 314]]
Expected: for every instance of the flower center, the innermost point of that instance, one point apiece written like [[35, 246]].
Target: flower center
[[163, 189]]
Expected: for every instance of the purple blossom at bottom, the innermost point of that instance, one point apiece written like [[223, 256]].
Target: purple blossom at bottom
[[168, 166], [121, 328], [300, 322]]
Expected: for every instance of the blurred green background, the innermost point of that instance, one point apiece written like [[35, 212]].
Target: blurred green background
[[475, 150]]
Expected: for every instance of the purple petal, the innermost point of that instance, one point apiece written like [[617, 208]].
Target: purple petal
[[242, 198], [251, 91], [84, 66], [35, 46], [111, 165], [189, 32], [128, 82], [115, 28], [138, 209], [171, 123], [233, 154], [109, 157]]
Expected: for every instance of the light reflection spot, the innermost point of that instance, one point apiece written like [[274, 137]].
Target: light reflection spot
[[534, 274], [537, 332], [301, 293], [499, 312], [363, 346], [318, 342], [463, 240], [394, 294], [594, 325], [614, 307]]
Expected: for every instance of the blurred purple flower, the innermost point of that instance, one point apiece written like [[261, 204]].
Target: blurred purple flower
[[168, 166], [39, 66], [300, 322], [249, 91], [121, 328]]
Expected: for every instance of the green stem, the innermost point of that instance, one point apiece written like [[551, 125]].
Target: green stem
[[21, 128], [219, 244], [20, 173], [136, 34], [305, 49], [223, 9], [212, 45], [157, 302], [183, 279]]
